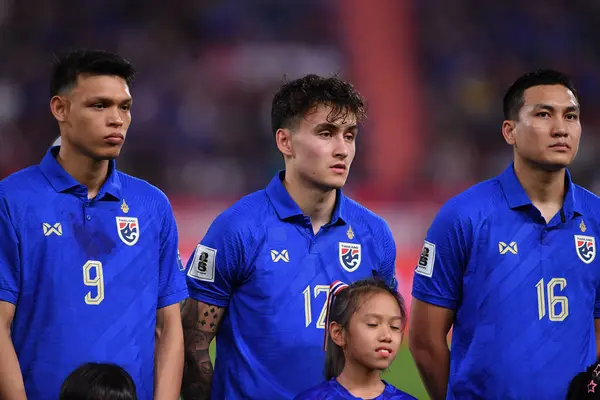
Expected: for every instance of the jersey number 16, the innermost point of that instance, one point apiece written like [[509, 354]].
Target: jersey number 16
[[558, 306]]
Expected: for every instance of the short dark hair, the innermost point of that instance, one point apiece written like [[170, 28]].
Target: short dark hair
[[295, 98], [342, 307], [68, 66], [94, 381], [513, 99]]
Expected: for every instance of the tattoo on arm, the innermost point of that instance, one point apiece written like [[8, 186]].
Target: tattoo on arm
[[200, 324]]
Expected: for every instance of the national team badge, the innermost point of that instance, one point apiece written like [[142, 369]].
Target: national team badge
[[586, 248], [350, 256], [128, 229]]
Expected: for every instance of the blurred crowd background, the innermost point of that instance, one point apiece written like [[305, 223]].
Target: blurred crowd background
[[433, 72]]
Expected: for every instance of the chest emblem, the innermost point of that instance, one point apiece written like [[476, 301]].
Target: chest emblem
[[585, 247], [128, 229], [350, 256]]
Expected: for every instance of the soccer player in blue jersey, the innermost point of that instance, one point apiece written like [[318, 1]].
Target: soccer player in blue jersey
[[259, 278], [89, 266], [511, 264], [365, 324]]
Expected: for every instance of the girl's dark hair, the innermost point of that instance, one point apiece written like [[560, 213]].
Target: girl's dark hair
[[586, 385], [344, 301], [94, 381]]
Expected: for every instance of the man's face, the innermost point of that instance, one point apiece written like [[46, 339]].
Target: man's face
[[322, 151], [95, 115], [548, 130]]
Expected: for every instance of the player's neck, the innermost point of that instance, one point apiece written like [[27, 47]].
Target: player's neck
[[90, 173], [543, 187], [360, 381], [314, 203]]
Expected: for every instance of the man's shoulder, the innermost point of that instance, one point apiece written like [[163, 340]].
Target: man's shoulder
[[359, 213], [589, 201], [22, 183], [140, 187], [247, 213], [479, 199]]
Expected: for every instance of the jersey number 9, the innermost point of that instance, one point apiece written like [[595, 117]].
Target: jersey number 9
[[555, 314], [93, 277]]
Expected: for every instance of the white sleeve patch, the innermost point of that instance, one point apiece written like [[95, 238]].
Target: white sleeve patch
[[426, 260], [203, 264]]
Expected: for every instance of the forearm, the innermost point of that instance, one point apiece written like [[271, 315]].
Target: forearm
[[168, 368], [433, 363], [198, 369], [11, 380]]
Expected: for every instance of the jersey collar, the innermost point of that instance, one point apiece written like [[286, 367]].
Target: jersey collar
[[287, 208], [516, 196], [61, 181]]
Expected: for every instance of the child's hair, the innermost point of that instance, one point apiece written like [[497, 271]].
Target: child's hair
[[586, 385], [94, 381], [344, 301]]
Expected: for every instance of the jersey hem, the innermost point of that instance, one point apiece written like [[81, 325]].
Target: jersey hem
[[208, 300], [9, 296], [435, 300], [172, 299]]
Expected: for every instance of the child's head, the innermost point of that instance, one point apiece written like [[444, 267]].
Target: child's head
[[98, 382], [365, 325], [586, 385]]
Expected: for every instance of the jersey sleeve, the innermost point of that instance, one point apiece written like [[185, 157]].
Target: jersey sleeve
[[387, 267], [597, 304], [444, 256], [217, 265], [172, 287], [10, 263]]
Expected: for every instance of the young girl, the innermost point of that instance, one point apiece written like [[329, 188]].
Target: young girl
[[365, 323], [94, 381]]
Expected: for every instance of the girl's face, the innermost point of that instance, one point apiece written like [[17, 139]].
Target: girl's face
[[374, 334]]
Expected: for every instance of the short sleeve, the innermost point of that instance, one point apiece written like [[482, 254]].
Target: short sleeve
[[172, 287], [444, 257], [10, 263], [387, 267], [217, 265], [597, 304]]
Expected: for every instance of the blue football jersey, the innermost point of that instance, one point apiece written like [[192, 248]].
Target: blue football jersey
[[525, 291], [261, 260], [332, 390], [86, 276]]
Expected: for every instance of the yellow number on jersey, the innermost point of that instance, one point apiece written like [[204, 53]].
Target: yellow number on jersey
[[553, 300], [318, 289], [97, 282]]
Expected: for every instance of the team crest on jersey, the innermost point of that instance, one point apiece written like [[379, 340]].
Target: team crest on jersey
[[128, 229], [350, 256], [586, 248]]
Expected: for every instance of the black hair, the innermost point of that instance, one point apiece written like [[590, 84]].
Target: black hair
[[68, 66], [94, 381], [513, 99], [344, 301], [586, 385], [296, 98]]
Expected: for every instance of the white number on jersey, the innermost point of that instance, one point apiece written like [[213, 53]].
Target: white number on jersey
[[318, 289], [96, 282], [553, 300]]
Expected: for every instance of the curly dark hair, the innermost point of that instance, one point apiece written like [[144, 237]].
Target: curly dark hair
[[296, 98]]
